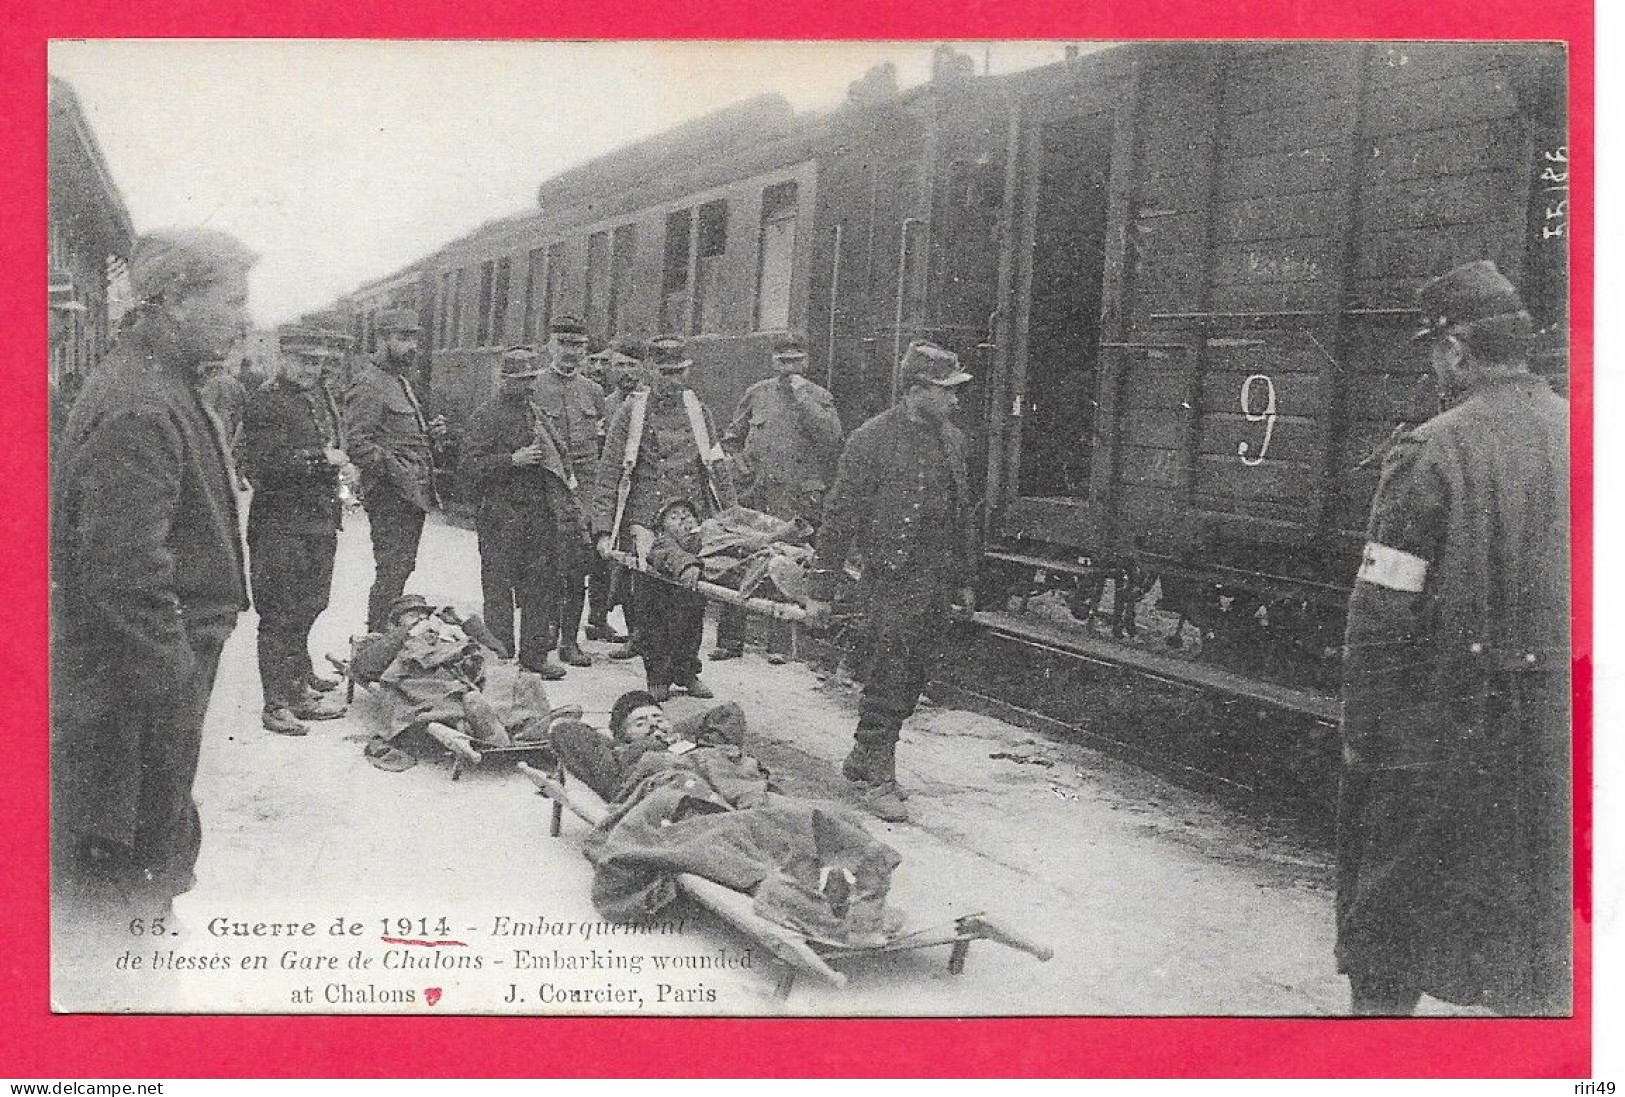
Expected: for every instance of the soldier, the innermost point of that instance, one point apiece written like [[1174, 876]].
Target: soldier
[[293, 454], [902, 498], [1454, 861], [660, 449], [623, 373], [626, 373], [786, 437], [392, 443], [574, 405], [225, 395], [147, 582], [531, 533]]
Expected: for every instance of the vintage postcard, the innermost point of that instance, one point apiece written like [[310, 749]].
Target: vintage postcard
[[878, 529]]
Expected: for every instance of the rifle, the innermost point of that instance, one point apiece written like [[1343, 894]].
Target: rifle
[[638, 403]]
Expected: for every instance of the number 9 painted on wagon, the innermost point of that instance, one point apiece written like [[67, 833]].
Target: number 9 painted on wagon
[[1266, 416]]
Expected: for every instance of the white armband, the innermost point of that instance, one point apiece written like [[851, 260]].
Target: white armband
[[1391, 568]]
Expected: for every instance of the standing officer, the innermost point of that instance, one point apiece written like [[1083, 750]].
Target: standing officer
[[292, 454], [574, 405], [531, 532], [786, 437], [902, 498], [660, 450], [1454, 859], [392, 443], [147, 582]]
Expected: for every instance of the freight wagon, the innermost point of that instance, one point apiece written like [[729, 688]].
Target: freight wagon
[[1206, 281]]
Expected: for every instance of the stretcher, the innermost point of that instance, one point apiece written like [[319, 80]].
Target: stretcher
[[716, 592], [796, 953], [466, 752]]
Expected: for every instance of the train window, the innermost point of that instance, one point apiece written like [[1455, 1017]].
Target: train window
[[456, 334], [625, 250], [482, 319], [710, 247], [499, 301], [557, 270], [674, 271], [442, 320], [598, 290], [535, 279], [776, 257]]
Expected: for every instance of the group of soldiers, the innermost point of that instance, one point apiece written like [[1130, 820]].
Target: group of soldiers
[[1454, 856]]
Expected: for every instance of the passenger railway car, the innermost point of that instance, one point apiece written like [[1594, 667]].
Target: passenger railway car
[[1181, 273]]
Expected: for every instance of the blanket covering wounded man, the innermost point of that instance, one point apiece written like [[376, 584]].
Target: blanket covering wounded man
[[694, 801]]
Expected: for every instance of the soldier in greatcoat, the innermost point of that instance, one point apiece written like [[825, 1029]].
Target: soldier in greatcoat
[[661, 448], [531, 532], [147, 582], [1454, 853], [574, 405], [902, 500], [392, 442], [292, 454], [785, 437]]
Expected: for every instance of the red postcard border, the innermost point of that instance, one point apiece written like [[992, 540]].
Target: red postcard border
[[37, 1043]]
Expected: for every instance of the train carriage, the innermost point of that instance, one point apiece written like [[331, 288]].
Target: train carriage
[[1211, 262], [1182, 274]]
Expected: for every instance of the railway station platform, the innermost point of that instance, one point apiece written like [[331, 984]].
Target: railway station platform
[[1157, 899]]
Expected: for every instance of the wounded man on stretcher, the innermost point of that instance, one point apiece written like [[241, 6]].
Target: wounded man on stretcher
[[429, 670], [689, 799]]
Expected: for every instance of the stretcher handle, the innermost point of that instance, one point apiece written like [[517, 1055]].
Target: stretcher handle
[[982, 926]]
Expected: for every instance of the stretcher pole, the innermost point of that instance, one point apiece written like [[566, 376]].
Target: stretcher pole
[[731, 906], [715, 592]]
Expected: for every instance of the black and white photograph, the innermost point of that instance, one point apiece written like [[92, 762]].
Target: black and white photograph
[[827, 529]]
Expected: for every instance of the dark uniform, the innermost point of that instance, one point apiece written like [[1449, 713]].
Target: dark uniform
[[670, 467], [1454, 862], [574, 406], [901, 498], [390, 442], [293, 525], [147, 582], [227, 397], [531, 532], [786, 437]]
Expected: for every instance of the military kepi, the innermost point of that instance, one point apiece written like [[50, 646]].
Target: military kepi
[[1467, 296], [569, 329], [790, 344], [310, 342], [926, 363], [668, 351], [519, 362], [405, 603], [399, 321]]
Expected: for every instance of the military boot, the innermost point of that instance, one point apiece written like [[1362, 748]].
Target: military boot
[[603, 632], [694, 687], [572, 654], [280, 721], [872, 768]]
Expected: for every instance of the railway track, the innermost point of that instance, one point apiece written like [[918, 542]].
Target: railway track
[[1266, 751]]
